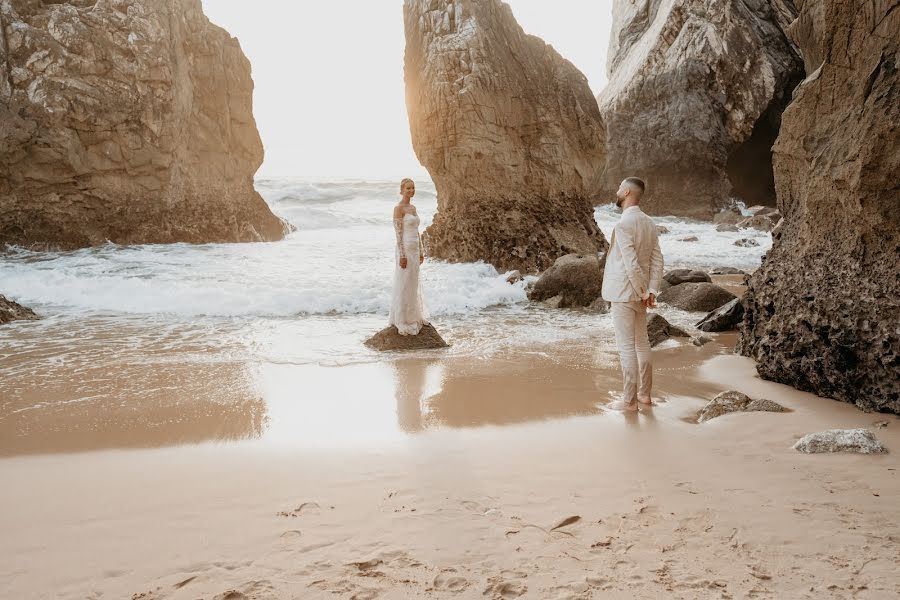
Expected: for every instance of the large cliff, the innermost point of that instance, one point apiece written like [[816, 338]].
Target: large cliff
[[125, 120], [508, 130], [694, 100], [823, 311]]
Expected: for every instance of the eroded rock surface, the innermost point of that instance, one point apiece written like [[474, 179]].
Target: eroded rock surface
[[725, 318], [509, 132], [860, 441], [700, 84], [823, 310], [125, 120], [575, 278], [659, 329], [13, 311], [733, 401], [391, 339]]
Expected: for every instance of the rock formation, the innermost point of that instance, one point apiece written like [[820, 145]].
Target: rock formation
[[859, 441], [659, 330], [391, 339], [732, 401], [725, 318], [508, 130], [823, 313], [128, 121], [576, 279], [13, 311], [695, 94], [696, 296]]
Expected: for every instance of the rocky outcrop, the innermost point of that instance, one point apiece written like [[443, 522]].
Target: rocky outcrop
[[576, 279], [391, 339], [732, 401], [758, 222], [128, 121], [13, 311], [679, 276], [695, 94], [859, 441], [509, 132], [696, 296], [823, 309]]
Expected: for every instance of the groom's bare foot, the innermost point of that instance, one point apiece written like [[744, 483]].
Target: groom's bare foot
[[648, 401], [623, 406]]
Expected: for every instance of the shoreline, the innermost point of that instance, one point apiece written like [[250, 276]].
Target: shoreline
[[720, 509]]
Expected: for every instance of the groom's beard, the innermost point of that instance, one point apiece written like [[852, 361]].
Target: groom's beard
[[619, 202]]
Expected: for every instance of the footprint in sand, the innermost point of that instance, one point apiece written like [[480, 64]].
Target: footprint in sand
[[249, 591], [449, 581], [305, 508]]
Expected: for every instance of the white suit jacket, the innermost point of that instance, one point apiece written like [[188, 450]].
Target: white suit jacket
[[634, 263]]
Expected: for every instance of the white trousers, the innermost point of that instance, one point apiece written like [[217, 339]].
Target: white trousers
[[630, 323]]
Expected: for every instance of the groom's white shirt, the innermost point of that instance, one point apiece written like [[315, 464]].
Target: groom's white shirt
[[634, 263]]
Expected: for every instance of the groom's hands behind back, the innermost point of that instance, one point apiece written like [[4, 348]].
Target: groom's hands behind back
[[650, 302]]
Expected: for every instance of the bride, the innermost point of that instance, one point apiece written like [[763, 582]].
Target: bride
[[407, 309]]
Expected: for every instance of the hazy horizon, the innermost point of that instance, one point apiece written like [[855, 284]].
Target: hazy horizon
[[329, 94]]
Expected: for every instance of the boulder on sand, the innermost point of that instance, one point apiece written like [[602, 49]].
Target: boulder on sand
[[725, 318], [576, 278], [861, 441], [696, 297], [679, 276], [13, 311], [390, 339], [659, 330], [732, 401]]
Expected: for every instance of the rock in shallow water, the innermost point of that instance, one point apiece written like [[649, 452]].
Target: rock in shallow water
[[13, 311], [733, 401], [746, 243], [725, 318], [696, 297], [659, 330], [679, 276], [861, 441], [128, 122], [390, 339], [575, 278]]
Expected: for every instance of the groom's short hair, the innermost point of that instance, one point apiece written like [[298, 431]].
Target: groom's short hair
[[637, 182]]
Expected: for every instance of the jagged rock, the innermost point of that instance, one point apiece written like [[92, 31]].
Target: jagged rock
[[726, 271], [725, 318], [599, 305], [861, 441], [662, 229], [733, 401], [696, 296], [729, 216], [700, 340], [13, 311], [679, 276], [514, 277], [509, 132], [758, 222], [659, 330], [823, 309], [689, 238], [127, 121], [696, 89], [765, 211], [576, 279], [746, 243], [726, 227], [390, 339]]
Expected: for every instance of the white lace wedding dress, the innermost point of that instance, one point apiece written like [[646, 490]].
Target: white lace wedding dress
[[408, 312]]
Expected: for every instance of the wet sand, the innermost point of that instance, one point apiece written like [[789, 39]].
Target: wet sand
[[431, 477]]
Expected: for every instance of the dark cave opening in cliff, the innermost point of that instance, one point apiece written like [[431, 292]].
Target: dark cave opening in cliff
[[749, 165]]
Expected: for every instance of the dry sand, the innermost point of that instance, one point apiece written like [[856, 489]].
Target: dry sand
[[478, 479]]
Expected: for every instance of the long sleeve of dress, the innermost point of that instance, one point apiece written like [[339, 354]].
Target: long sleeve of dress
[[398, 229]]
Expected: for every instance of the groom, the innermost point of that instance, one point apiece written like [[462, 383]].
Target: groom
[[634, 267]]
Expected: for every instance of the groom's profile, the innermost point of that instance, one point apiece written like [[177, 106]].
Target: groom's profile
[[634, 268]]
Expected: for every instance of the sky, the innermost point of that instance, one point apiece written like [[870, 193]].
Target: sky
[[329, 95]]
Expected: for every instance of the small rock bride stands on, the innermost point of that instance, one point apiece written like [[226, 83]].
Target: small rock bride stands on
[[408, 327]]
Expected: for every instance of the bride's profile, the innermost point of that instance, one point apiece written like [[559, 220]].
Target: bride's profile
[[408, 313]]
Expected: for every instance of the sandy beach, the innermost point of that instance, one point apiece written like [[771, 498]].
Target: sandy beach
[[473, 479]]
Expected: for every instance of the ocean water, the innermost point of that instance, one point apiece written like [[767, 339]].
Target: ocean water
[[309, 299]]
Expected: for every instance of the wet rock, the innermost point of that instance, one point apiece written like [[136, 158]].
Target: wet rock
[[514, 277], [726, 228], [733, 401], [576, 278], [725, 318], [689, 238], [823, 309], [765, 211], [861, 441], [13, 311], [679, 276], [659, 330], [509, 132], [696, 297], [746, 243], [390, 339], [729, 216], [760, 223], [126, 121], [726, 271], [695, 95], [700, 340], [662, 229]]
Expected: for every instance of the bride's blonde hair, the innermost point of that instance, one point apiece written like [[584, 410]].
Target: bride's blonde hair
[[404, 181]]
